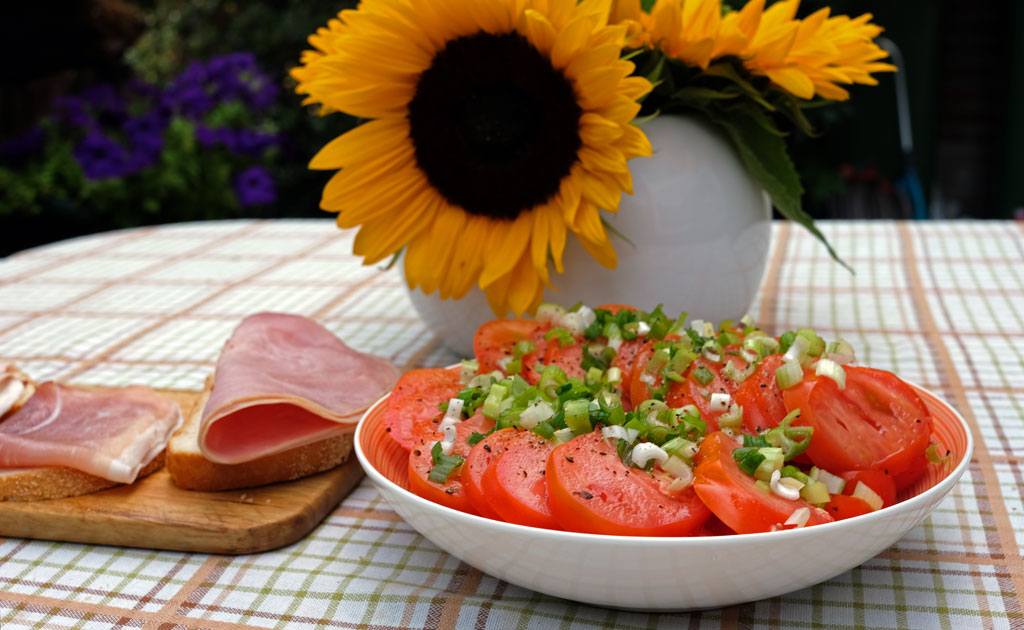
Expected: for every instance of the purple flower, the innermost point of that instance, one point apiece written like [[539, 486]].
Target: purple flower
[[231, 63], [255, 187], [253, 143], [209, 137], [71, 111], [191, 100], [101, 157]]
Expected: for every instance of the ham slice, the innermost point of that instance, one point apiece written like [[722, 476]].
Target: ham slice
[[109, 433], [284, 381]]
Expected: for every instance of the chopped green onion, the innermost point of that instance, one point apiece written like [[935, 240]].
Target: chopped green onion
[[476, 437], [933, 454], [548, 312], [814, 492], [703, 375], [795, 473], [736, 375], [594, 376], [551, 378], [677, 467], [833, 483], [841, 352], [613, 376], [786, 340], [773, 459], [792, 440], [539, 411], [864, 492], [763, 486], [577, 416], [564, 337], [492, 405], [545, 430], [444, 465], [748, 321], [748, 459], [731, 419], [815, 344], [831, 369], [789, 374], [467, 370], [728, 338]]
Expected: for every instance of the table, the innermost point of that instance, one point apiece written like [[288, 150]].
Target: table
[[942, 304]]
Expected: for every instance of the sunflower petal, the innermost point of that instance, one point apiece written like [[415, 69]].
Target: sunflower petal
[[427, 256], [363, 142], [506, 243]]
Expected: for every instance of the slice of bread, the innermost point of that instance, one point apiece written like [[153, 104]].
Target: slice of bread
[[192, 471], [45, 482], [58, 482]]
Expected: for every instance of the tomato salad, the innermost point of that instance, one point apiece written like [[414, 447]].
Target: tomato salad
[[624, 422]]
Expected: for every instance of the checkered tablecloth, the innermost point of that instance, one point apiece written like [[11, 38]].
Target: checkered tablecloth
[[941, 304]]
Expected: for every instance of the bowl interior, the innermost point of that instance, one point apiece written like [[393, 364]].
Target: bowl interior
[[391, 460]]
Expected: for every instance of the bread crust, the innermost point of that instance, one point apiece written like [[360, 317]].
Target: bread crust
[[58, 482], [190, 470]]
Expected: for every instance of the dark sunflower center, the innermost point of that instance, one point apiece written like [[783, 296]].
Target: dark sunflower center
[[494, 125]]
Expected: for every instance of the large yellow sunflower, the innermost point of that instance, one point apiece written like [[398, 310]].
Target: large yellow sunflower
[[496, 128], [805, 57]]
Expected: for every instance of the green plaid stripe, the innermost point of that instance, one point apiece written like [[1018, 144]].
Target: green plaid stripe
[[942, 304]]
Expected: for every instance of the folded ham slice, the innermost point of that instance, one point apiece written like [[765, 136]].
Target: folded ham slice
[[109, 433], [284, 381]]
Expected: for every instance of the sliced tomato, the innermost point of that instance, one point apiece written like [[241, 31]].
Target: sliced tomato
[[732, 496], [761, 398], [842, 507], [497, 339], [515, 484], [615, 308], [591, 490], [882, 484], [624, 360], [569, 358], [916, 468], [479, 459], [875, 422], [691, 392], [451, 493], [413, 405]]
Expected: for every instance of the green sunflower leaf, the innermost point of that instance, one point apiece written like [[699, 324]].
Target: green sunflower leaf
[[764, 155]]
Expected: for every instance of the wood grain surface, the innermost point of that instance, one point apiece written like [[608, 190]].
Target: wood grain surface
[[153, 513]]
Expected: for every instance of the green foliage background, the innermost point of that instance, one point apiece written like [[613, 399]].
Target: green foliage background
[[50, 198]]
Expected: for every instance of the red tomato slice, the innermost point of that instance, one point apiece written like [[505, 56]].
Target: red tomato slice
[[413, 405], [569, 358], [624, 360], [592, 491], [497, 339], [876, 422], [451, 493], [691, 392], [877, 480], [842, 507], [731, 495], [761, 398], [615, 308], [479, 459], [515, 484]]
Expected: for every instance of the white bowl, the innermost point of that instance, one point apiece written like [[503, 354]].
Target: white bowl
[[662, 574]]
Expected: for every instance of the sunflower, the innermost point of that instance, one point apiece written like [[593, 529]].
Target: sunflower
[[496, 128], [805, 57]]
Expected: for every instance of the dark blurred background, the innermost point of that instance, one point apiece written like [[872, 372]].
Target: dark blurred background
[[117, 113]]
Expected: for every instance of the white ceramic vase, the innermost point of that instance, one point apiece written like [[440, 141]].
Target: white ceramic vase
[[700, 228]]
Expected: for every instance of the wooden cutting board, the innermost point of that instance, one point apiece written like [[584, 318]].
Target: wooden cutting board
[[153, 513]]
